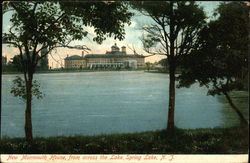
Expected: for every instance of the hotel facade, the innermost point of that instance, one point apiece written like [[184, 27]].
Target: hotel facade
[[111, 59]]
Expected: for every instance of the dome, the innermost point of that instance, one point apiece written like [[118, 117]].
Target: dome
[[115, 48]]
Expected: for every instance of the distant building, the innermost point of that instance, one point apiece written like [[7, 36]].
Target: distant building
[[112, 59], [75, 61], [4, 60]]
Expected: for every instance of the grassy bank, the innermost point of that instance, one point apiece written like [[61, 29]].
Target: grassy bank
[[198, 141]]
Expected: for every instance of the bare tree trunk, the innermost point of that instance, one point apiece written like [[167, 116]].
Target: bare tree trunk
[[28, 121], [171, 106], [242, 118]]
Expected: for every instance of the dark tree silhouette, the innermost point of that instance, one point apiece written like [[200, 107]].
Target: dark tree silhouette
[[38, 25], [221, 63]]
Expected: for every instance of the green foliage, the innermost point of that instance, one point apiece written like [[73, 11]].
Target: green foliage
[[42, 23], [221, 61], [195, 141], [18, 63], [19, 89], [38, 25], [108, 22], [149, 41], [54, 24], [35, 90], [47, 25], [163, 62], [148, 65]]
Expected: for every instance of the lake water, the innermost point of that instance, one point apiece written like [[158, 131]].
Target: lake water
[[93, 103]]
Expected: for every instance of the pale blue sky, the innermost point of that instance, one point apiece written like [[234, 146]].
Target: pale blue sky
[[132, 38]]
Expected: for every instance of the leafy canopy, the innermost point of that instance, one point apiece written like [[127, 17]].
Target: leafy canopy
[[221, 62], [19, 89], [38, 25], [108, 18]]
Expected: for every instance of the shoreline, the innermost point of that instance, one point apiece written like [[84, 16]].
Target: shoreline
[[72, 71], [181, 141]]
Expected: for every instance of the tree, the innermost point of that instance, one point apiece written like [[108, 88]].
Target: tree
[[148, 64], [221, 63], [173, 33], [163, 63], [48, 25]]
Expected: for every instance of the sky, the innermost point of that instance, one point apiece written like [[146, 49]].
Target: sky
[[131, 41]]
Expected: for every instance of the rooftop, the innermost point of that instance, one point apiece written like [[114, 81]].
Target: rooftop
[[74, 57], [114, 56], [109, 54]]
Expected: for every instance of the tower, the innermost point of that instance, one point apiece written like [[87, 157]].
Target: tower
[[124, 49], [115, 48]]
